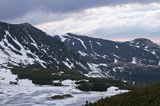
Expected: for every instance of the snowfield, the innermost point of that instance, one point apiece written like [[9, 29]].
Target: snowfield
[[28, 94]]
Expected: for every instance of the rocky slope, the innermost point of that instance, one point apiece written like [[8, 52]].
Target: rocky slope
[[23, 45], [134, 61]]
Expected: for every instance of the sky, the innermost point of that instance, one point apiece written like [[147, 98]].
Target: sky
[[119, 20]]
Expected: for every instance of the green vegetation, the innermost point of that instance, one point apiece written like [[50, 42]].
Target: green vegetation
[[101, 84], [46, 76], [85, 87], [50, 77], [144, 96], [57, 84], [97, 86], [61, 96], [82, 81]]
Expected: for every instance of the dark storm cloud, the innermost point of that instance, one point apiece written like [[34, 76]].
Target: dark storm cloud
[[10, 9]]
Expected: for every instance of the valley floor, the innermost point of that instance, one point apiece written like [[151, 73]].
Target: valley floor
[[28, 94]]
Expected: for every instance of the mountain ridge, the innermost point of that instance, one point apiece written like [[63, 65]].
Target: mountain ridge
[[26, 45]]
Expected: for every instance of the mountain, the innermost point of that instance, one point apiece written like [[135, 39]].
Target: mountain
[[136, 61], [146, 45], [23, 44]]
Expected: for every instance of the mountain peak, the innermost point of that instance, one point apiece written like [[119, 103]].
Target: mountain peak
[[143, 43], [1, 22], [26, 24], [7, 26], [144, 40]]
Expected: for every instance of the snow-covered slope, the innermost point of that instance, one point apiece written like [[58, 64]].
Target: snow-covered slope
[[24, 45], [146, 45], [95, 50], [32, 95], [117, 60]]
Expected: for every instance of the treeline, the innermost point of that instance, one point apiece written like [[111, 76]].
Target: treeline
[[144, 96], [42, 76]]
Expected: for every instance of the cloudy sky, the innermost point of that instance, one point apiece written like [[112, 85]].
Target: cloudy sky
[[109, 19]]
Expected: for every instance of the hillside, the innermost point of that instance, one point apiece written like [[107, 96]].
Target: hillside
[[136, 62], [144, 96]]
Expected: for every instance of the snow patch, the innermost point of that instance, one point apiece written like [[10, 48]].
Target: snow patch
[[69, 82], [112, 89], [117, 47], [40, 95], [73, 43], [114, 69], [154, 52], [33, 42], [96, 71], [81, 65], [82, 42], [133, 60], [6, 76], [103, 64], [146, 47], [115, 60], [27, 93], [68, 63], [99, 43], [82, 53], [115, 56], [8, 56], [62, 38]]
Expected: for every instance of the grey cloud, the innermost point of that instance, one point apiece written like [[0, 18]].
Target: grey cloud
[[124, 32], [11, 9]]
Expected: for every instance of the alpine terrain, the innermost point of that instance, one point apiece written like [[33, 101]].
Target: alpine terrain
[[23, 45]]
